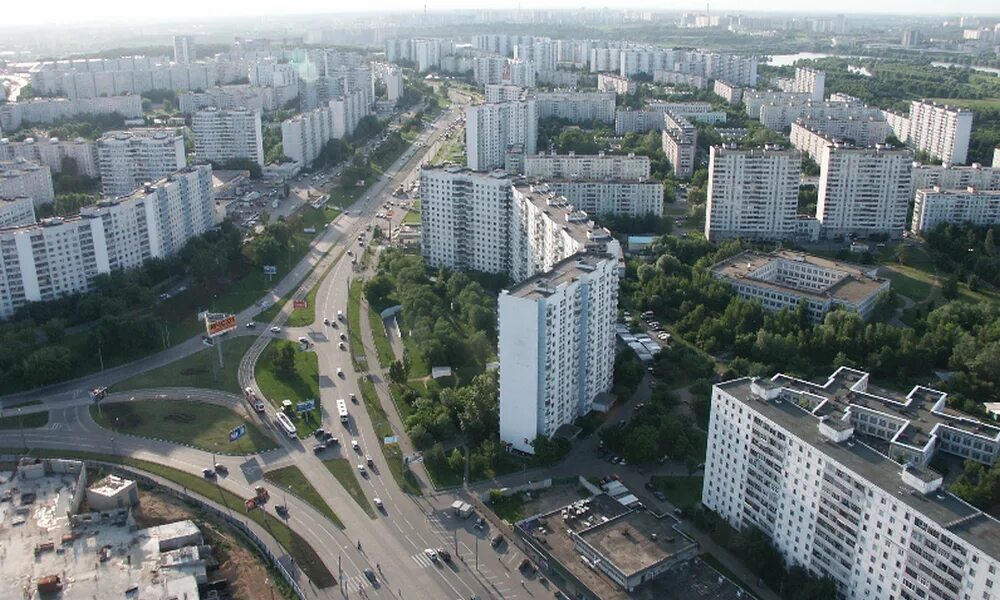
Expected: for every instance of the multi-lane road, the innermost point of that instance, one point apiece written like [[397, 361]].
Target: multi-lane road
[[392, 544]]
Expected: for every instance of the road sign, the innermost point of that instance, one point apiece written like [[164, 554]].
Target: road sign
[[217, 323], [305, 406], [299, 303], [392, 439], [270, 270], [237, 432]]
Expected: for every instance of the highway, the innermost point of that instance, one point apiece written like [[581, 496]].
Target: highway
[[396, 539]]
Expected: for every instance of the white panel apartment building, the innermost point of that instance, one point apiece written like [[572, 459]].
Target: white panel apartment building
[[606, 82], [680, 143], [94, 78], [489, 70], [491, 128], [128, 159], [863, 191], [58, 257], [752, 193], [587, 166], [951, 177], [632, 198], [810, 81], [221, 136], [303, 136], [816, 467], [577, 107], [52, 151], [812, 135], [16, 211], [940, 130], [228, 97], [39, 111], [184, 49], [25, 178], [934, 206], [556, 327], [730, 92]]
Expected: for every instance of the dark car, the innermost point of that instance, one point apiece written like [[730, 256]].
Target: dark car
[[370, 575], [496, 541], [525, 566], [444, 554]]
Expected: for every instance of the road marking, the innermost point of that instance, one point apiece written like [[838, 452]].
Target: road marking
[[421, 559]]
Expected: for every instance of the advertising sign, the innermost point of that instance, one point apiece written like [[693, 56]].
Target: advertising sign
[[270, 270], [237, 432], [299, 303], [217, 324], [305, 406]]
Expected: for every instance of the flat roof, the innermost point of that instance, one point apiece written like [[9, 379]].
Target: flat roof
[[110, 485], [563, 272], [636, 541], [860, 456], [854, 286]]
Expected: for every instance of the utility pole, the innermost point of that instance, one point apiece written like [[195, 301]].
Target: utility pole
[[218, 344]]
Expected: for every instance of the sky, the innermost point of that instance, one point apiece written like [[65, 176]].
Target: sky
[[79, 11]]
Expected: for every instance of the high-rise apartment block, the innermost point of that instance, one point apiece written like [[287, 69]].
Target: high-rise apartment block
[[940, 130], [731, 93], [222, 136], [55, 154], [128, 159], [619, 197], [606, 82], [934, 206], [304, 135], [490, 129], [489, 70], [25, 178], [752, 193], [812, 135], [587, 166], [950, 177], [680, 143], [59, 257], [675, 78], [835, 474], [40, 111], [16, 211], [184, 49], [577, 107], [863, 191], [806, 80]]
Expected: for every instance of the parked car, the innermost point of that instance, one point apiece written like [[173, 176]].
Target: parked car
[[496, 540]]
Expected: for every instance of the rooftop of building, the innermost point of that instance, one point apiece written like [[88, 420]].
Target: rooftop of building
[[562, 273], [12, 168], [636, 540], [156, 133], [922, 409], [765, 150], [693, 580], [110, 485], [100, 556], [47, 140], [855, 284], [576, 223]]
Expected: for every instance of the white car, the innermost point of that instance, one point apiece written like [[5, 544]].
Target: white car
[[340, 373], [378, 503], [361, 469], [431, 554], [355, 445], [276, 329]]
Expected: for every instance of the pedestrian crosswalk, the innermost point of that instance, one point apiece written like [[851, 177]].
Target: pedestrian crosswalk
[[422, 559], [354, 583]]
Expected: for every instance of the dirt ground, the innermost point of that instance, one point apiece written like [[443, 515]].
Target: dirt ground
[[243, 569]]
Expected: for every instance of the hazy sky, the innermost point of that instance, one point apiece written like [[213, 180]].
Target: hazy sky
[[19, 12]]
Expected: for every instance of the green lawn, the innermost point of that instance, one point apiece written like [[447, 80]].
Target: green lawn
[[300, 385], [913, 283], [411, 217], [354, 325], [292, 479], [200, 370], [305, 556], [347, 474], [383, 348], [443, 476], [28, 421], [303, 317], [509, 508], [713, 562], [197, 424], [682, 492], [380, 423]]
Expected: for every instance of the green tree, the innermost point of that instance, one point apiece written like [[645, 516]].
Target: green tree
[[435, 456], [397, 373], [48, 364], [284, 362], [456, 460]]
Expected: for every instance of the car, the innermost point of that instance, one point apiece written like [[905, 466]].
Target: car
[[660, 496], [444, 554], [340, 373], [378, 503], [354, 398], [326, 320], [251, 325], [319, 433], [221, 468], [343, 337], [341, 346], [332, 441], [369, 460], [275, 329], [525, 565], [496, 540], [355, 445], [319, 448], [281, 509], [370, 575], [362, 470], [649, 486], [303, 340], [208, 473], [431, 554], [480, 523]]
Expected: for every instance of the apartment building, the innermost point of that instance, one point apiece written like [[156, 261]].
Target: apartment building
[[934, 206], [741, 70], [490, 129], [680, 143], [16, 211], [20, 177], [587, 166], [99, 77], [427, 54], [940, 130], [504, 92], [835, 473], [41, 111], [184, 49], [806, 80], [222, 136], [899, 124], [607, 82], [394, 83], [784, 279], [863, 191], [270, 72], [730, 92], [577, 107], [779, 116], [638, 121], [811, 135], [54, 153], [304, 135], [620, 197], [128, 159], [753, 100], [951, 177], [752, 193], [694, 111], [465, 219], [58, 257], [541, 52], [996, 158], [227, 97], [675, 78]]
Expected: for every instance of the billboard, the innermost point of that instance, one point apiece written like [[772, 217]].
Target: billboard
[[270, 270], [299, 303], [237, 432], [305, 406], [217, 323]]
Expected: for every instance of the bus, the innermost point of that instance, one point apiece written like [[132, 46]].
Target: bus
[[342, 410], [286, 424]]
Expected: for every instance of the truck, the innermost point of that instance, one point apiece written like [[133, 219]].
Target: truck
[[461, 509], [261, 496], [253, 400], [342, 410]]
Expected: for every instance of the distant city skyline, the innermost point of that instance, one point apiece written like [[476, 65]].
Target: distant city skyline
[[67, 12]]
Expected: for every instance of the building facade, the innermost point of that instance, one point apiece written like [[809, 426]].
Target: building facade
[[490, 129], [128, 159], [53, 153], [680, 144], [587, 166], [940, 130], [619, 197], [577, 107], [16, 211], [934, 206], [222, 136], [607, 82], [730, 92], [41, 111], [25, 178]]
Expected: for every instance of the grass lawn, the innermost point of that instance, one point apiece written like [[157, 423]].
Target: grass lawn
[[292, 479], [354, 325], [411, 217], [305, 556], [383, 348], [380, 422], [307, 316], [509, 508], [713, 562], [28, 421], [682, 492], [200, 370], [347, 474], [302, 384], [197, 424], [913, 283], [443, 476]]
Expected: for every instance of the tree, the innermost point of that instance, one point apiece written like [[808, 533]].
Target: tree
[[549, 451], [456, 460], [55, 329], [397, 373], [48, 364], [284, 362], [641, 445], [949, 289], [434, 456]]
